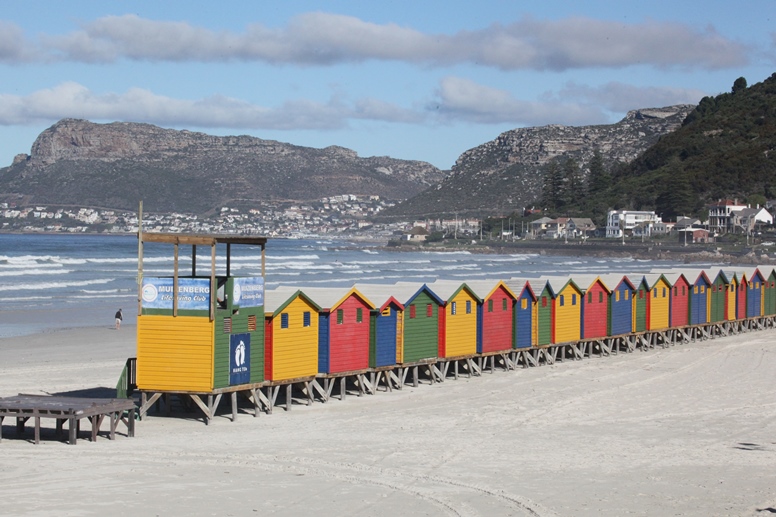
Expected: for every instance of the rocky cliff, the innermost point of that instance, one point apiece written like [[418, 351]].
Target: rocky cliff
[[505, 174], [76, 162]]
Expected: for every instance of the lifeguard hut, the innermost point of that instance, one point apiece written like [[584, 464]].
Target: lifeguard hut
[[200, 334]]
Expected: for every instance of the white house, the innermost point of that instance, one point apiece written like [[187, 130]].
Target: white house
[[618, 221]]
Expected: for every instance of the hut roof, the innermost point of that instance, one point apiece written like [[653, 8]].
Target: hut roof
[[276, 299]]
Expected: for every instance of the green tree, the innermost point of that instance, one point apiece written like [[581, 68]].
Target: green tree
[[675, 197], [600, 179], [739, 85], [573, 190], [552, 185]]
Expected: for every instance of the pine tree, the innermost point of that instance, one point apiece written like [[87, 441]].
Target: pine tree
[[600, 179]]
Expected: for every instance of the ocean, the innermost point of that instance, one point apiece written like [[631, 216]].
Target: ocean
[[50, 282]]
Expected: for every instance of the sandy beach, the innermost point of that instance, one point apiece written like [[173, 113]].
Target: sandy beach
[[689, 430]]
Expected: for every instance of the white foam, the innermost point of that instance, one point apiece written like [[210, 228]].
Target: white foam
[[28, 272], [53, 285]]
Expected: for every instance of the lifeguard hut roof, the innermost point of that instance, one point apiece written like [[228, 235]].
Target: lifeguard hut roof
[[202, 239]]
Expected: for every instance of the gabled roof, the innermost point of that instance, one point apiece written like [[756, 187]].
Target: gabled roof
[[587, 280], [638, 280], [381, 295], [653, 279], [424, 289], [487, 288], [520, 286], [329, 298], [449, 289], [276, 300]]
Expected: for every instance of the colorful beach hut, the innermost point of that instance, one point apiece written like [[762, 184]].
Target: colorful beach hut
[[640, 302], [497, 316], [679, 304], [621, 306], [568, 311], [526, 323], [769, 303], [719, 297], [755, 293], [700, 298], [199, 333], [458, 319], [344, 331], [291, 337], [387, 324], [421, 324], [545, 320], [595, 306], [658, 307], [736, 301]]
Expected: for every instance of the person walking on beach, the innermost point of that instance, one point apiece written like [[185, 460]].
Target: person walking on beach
[[119, 319]]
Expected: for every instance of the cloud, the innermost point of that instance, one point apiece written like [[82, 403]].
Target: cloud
[[619, 97], [324, 39], [464, 100], [72, 100], [13, 47]]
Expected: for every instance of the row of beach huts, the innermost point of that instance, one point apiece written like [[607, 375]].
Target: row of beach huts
[[372, 335]]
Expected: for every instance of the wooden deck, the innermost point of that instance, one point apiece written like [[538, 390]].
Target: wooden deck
[[70, 409]]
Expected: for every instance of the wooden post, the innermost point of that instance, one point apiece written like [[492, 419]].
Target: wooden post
[[213, 285], [228, 258], [175, 281], [140, 259], [262, 259], [193, 260]]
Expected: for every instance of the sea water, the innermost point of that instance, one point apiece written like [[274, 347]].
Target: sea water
[[51, 282]]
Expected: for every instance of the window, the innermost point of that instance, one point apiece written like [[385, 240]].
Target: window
[[490, 305], [227, 325], [676, 291], [523, 303], [626, 294], [453, 308], [544, 301], [503, 304], [468, 306], [284, 320], [695, 290], [703, 289], [340, 316], [617, 296], [641, 294], [684, 290], [429, 311], [573, 299], [306, 318], [590, 297], [600, 297], [664, 292], [757, 285], [412, 311], [386, 311], [252, 323], [359, 315], [561, 301]]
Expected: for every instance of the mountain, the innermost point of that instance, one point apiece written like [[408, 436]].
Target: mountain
[[77, 162], [725, 149], [505, 174]]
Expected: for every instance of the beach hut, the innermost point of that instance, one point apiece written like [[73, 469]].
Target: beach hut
[[458, 319], [199, 334], [755, 293], [387, 324], [769, 303], [679, 315], [421, 324], [640, 303], [700, 298], [658, 306], [621, 306], [291, 343], [595, 307], [545, 320], [568, 311], [736, 297], [719, 297], [497, 316], [526, 323], [344, 331]]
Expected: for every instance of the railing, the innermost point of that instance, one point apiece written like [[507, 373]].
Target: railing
[[127, 380]]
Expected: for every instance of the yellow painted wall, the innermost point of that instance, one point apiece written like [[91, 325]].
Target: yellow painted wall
[[534, 323], [400, 338], [461, 328], [732, 291], [568, 316], [659, 305], [295, 349], [175, 353]]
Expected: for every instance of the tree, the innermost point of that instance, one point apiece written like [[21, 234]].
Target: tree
[[600, 179], [552, 185], [573, 190], [739, 85], [676, 196]]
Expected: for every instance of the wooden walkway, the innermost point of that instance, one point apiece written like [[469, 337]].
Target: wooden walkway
[[70, 409]]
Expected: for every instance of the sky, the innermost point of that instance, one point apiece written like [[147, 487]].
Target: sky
[[419, 80]]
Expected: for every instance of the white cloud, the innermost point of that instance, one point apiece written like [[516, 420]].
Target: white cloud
[[324, 39], [619, 97], [464, 100], [13, 47], [72, 100]]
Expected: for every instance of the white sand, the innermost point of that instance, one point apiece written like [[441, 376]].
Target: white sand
[[690, 430]]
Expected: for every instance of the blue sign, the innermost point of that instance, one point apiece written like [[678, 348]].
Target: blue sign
[[193, 293], [239, 359], [248, 292]]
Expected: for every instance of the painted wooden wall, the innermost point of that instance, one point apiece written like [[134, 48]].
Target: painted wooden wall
[[498, 321], [755, 295], [718, 300], [568, 313], [174, 353], [546, 317], [595, 311], [346, 348], [640, 301], [421, 328], [460, 325], [700, 301], [659, 305], [680, 303], [526, 315], [291, 345], [386, 334], [621, 309]]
